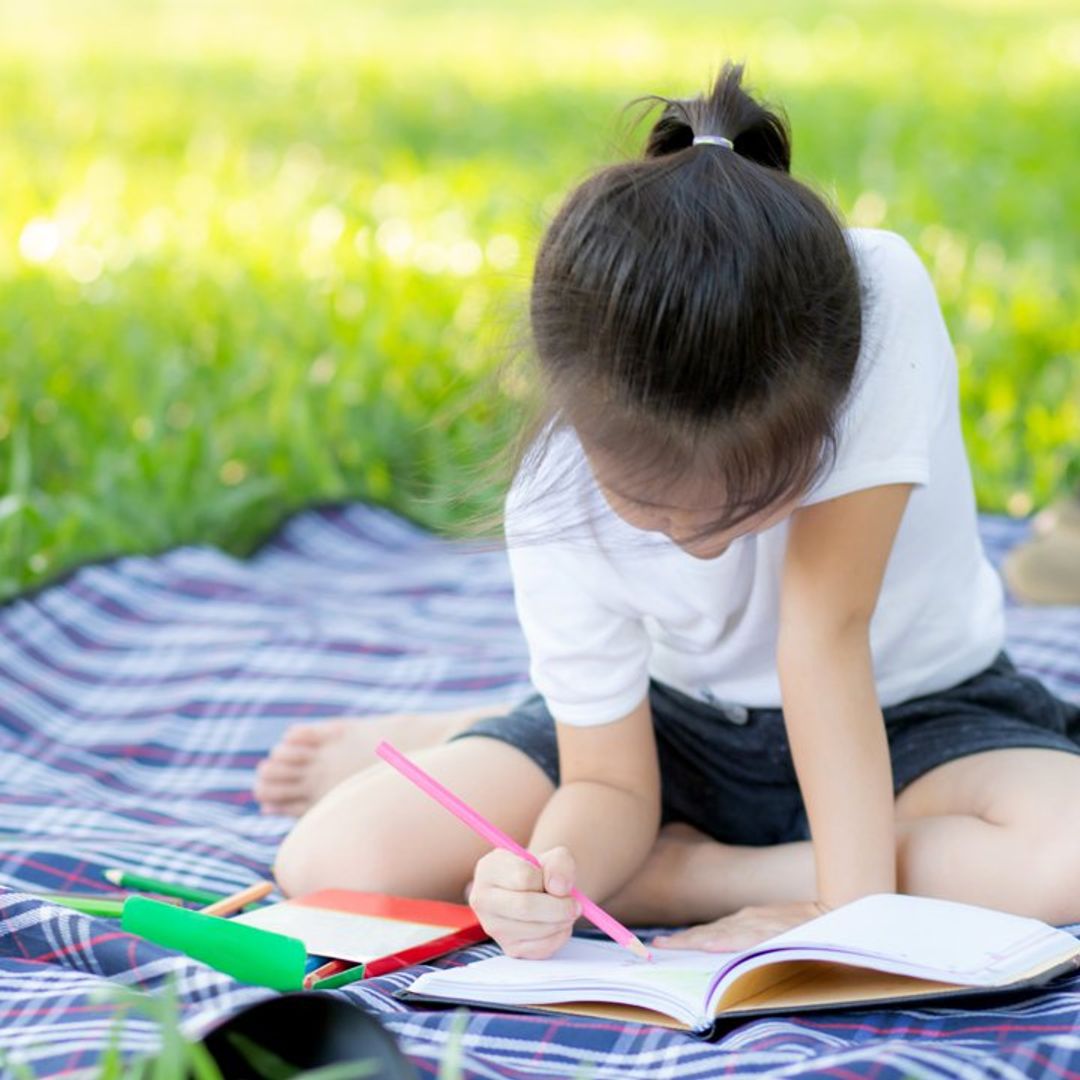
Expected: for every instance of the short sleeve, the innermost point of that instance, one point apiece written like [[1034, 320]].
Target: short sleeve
[[588, 652], [906, 369]]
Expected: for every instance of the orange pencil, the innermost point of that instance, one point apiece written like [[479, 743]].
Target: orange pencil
[[228, 904]]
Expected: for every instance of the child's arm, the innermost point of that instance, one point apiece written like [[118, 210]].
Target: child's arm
[[606, 812], [606, 809], [837, 552]]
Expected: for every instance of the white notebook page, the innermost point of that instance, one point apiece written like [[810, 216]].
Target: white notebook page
[[675, 981], [942, 935], [341, 934]]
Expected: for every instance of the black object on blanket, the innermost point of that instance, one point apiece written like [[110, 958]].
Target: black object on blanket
[[304, 1031]]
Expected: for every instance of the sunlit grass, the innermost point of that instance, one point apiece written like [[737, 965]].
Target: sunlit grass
[[253, 255]]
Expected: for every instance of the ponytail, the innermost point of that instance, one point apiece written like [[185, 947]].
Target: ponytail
[[756, 132]]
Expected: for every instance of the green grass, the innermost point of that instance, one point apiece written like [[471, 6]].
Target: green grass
[[178, 1057], [258, 254]]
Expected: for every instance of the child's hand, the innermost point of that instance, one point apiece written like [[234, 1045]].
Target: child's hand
[[744, 929], [527, 910]]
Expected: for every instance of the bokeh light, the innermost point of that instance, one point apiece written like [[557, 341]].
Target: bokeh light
[[259, 254]]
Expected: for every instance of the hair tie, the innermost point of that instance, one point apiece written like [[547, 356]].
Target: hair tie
[[716, 140]]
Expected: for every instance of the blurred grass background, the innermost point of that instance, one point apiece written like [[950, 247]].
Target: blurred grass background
[[257, 254]]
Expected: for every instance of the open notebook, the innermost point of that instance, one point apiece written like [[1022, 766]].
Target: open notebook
[[880, 948]]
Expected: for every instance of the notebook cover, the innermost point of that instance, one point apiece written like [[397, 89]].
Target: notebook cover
[[382, 906]]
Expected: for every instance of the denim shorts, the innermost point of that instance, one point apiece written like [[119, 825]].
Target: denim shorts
[[727, 769]]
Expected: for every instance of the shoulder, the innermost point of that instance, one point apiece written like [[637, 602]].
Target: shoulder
[[553, 500], [547, 468], [905, 339], [903, 326], [892, 273], [882, 249], [557, 522], [904, 380]]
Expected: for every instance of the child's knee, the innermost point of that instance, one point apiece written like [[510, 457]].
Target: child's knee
[[291, 866], [367, 860]]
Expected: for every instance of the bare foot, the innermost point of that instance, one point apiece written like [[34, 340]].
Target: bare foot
[[310, 759]]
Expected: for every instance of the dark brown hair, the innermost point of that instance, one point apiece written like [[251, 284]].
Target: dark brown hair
[[695, 311]]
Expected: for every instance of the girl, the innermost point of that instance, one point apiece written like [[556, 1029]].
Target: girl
[[764, 636]]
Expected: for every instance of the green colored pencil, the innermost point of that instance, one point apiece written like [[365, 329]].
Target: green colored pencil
[[342, 978], [104, 907], [124, 879]]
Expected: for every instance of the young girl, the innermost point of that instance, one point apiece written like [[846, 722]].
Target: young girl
[[765, 640]]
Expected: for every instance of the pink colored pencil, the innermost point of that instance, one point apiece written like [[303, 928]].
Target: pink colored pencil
[[426, 782]]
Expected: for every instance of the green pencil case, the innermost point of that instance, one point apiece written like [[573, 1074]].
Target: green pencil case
[[247, 953]]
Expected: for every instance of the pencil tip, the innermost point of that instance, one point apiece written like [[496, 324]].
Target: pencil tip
[[112, 875], [639, 949]]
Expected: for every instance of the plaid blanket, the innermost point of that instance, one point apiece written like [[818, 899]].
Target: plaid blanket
[[137, 696]]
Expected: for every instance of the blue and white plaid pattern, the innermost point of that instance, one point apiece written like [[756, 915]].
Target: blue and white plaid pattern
[[137, 696]]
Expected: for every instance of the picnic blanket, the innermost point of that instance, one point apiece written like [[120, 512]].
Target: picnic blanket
[[136, 697]]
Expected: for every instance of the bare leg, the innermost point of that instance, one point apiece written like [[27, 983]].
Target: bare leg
[[377, 832], [996, 828], [310, 759], [690, 878], [693, 879]]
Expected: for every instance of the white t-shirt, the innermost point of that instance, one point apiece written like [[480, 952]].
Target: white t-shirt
[[603, 607]]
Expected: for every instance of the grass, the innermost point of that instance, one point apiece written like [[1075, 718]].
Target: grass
[[180, 1058], [260, 254]]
